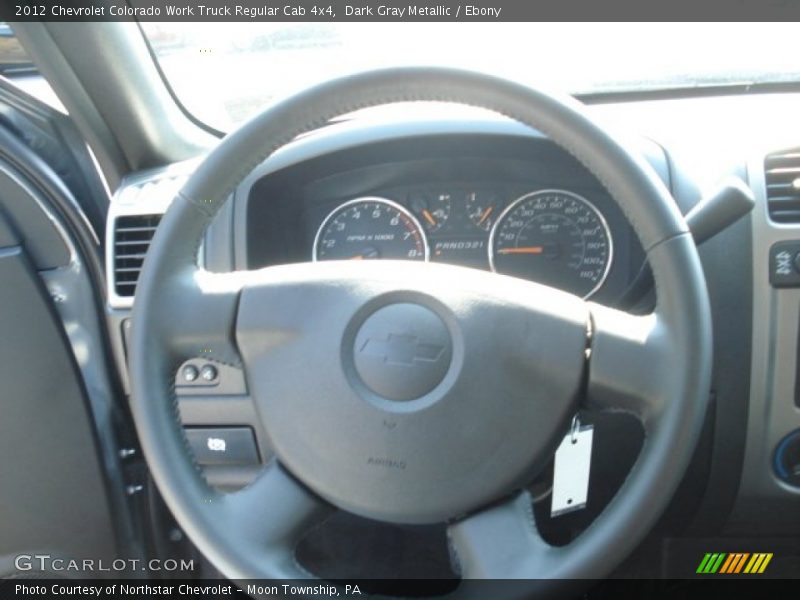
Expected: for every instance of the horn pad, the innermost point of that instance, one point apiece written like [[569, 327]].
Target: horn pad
[[402, 351]]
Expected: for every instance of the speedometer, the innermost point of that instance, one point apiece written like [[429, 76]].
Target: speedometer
[[553, 237], [369, 228]]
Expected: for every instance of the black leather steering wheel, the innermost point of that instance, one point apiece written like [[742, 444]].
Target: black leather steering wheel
[[515, 362]]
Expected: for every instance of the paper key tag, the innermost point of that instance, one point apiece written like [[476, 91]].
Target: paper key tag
[[571, 471]]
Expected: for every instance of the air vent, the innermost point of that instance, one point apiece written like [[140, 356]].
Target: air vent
[[132, 235], [782, 173]]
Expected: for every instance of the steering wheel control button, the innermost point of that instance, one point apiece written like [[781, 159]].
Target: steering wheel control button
[[190, 373], [784, 260], [222, 446], [208, 373], [199, 374], [402, 351]]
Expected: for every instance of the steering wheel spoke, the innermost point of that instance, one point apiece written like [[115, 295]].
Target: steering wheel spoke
[[502, 542], [202, 313], [275, 510], [626, 362]]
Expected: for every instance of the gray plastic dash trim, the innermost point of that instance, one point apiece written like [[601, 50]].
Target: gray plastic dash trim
[[764, 500]]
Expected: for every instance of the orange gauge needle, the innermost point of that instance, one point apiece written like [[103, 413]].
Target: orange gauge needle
[[522, 250], [357, 257], [485, 215], [429, 217]]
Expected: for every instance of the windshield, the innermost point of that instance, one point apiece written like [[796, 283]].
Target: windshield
[[225, 72], [13, 58]]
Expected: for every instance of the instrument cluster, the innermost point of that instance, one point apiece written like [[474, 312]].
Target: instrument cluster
[[552, 236]]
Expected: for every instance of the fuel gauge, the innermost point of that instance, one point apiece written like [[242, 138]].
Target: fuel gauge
[[482, 208]]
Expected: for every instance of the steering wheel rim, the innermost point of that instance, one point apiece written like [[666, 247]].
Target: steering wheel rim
[[656, 366]]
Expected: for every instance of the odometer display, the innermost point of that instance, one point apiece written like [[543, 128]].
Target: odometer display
[[555, 238], [370, 228]]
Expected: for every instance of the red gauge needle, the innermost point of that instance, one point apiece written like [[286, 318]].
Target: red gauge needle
[[522, 250], [429, 217]]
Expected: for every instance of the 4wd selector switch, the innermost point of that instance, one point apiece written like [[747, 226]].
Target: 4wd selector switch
[[784, 258]]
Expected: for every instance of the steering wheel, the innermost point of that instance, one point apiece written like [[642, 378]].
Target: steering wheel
[[498, 365]]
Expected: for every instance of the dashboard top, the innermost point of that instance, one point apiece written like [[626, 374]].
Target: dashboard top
[[277, 213]]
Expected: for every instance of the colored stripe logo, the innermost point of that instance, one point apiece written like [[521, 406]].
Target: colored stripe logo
[[734, 563]]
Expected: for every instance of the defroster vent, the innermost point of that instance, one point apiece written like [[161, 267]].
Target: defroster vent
[[782, 175]]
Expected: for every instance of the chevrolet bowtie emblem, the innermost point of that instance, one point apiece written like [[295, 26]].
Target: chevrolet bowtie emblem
[[402, 350]]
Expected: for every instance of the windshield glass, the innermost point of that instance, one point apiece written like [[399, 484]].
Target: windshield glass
[[13, 58], [225, 72]]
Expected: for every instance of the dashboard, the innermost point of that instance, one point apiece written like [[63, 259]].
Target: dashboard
[[514, 206], [470, 191]]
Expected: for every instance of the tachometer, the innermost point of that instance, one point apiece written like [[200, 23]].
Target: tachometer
[[553, 237], [370, 228]]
